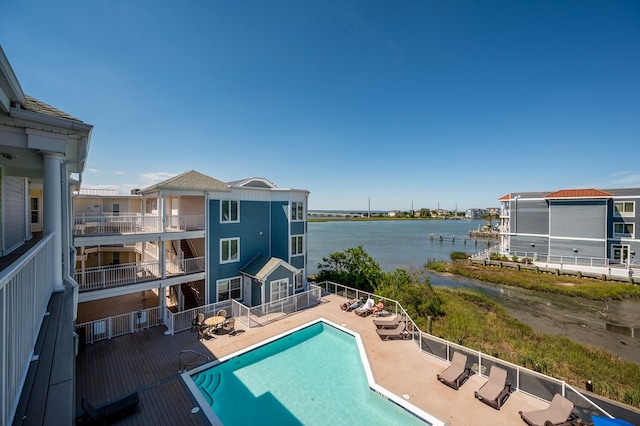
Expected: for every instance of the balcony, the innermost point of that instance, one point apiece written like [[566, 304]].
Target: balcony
[[103, 277], [134, 223]]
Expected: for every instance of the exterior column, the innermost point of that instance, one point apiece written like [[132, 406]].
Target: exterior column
[[52, 211]]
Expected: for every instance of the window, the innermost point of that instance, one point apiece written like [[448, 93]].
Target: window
[[621, 229], [297, 245], [297, 210], [35, 214], [230, 288], [300, 280], [279, 289], [229, 211], [624, 208], [229, 250]]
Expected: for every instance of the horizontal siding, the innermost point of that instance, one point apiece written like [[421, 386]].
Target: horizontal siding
[[531, 217], [14, 211], [586, 249], [578, 219]]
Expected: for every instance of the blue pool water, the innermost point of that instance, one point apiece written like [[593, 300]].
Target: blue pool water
[[313, 376]]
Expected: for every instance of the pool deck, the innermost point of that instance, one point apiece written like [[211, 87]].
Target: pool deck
[[148, 362]]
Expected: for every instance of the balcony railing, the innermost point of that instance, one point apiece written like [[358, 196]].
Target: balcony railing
[[25, 289], [134, 223], [103, 277]]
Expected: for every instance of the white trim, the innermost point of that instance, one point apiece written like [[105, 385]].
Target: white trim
[[230, 204], [237, 259], [239, 278], [632, 213], [291, 246]]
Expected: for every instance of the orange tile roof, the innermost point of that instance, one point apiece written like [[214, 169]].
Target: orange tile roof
[[505, 197], [579, 193]]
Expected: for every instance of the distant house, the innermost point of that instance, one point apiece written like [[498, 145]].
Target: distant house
[[394, 213], [475, 213], [573, 226]]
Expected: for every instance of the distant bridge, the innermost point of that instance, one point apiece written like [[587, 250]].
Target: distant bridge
[[328, 214]]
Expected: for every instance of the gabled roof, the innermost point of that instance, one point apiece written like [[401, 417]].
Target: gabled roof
[[190, 180], [34, 105], [261, 266], [254, 182], [505, 197], [579, 193]]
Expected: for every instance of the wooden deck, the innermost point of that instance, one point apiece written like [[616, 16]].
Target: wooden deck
[[148, 362]]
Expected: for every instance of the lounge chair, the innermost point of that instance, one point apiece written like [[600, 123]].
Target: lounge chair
[[457, 373], [365, 309], [556, 414], [378, 309], [398, 332], [350, 305], [496, 391], [387, 322]]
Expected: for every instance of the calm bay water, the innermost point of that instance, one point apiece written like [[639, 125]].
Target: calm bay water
[[392, 243]]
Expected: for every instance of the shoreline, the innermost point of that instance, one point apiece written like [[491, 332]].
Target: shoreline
[[579, 319]]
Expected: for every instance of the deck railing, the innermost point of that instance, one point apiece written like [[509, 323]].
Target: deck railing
[[249, 316], [134, 223], [271, 311], [102, 277], [524, 380], [25, 290], [107, 328]]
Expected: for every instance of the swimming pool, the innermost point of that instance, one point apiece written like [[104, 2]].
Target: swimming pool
[[316, 374]]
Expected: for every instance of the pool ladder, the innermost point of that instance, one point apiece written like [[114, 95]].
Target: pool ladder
[[182, 368]]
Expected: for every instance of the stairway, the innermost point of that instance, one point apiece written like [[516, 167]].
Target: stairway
[[190, 300], [186, 249]]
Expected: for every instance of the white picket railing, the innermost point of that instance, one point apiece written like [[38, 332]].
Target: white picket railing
[[102, 277], [107, 328], [25, 289], [134, 223]]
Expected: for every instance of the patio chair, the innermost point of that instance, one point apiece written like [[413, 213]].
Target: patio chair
[[496, 391], [398, 332], [230, 325], [198, 324], [387, 322], [457, 373], [222, 313], [365, 309], [556, 414]]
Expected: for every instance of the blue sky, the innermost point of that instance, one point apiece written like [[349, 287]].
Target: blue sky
[[423, 103]]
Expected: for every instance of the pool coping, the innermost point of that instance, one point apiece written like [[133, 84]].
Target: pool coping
[[390, 396]]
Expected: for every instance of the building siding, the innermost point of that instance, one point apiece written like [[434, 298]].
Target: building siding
[[280, 229], [531, 217], [572, 227], [579, 219]]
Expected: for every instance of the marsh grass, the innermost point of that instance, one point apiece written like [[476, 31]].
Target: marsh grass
[[484, 325], [571, 286]]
